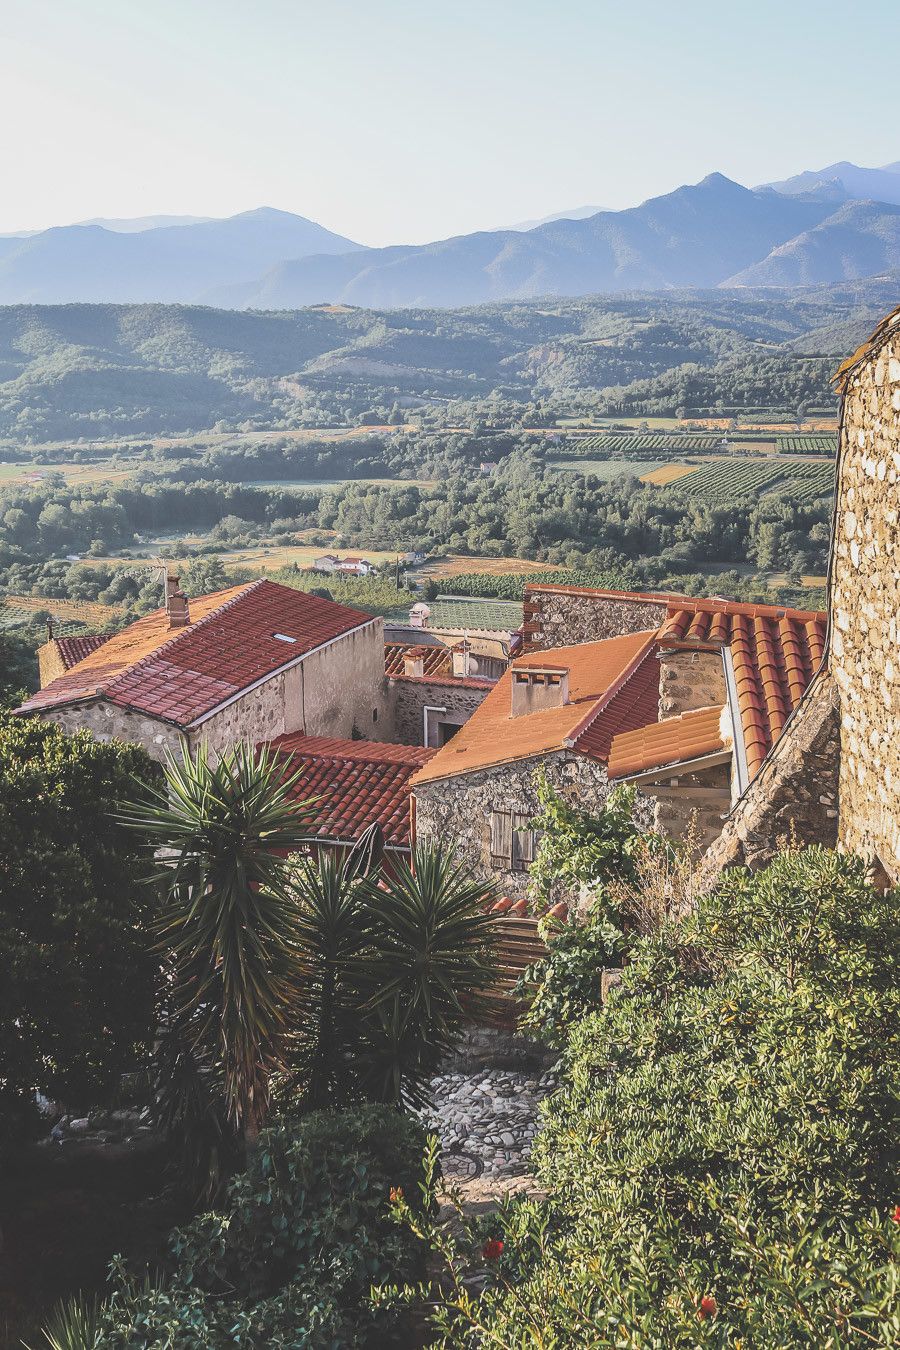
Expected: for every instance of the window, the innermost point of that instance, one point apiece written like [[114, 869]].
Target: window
[[512, 841]]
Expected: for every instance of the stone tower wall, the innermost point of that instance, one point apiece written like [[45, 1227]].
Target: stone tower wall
[[865, 608]]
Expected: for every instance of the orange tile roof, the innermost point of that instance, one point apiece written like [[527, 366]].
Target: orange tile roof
[[75, 649], [360, 783], [183, 674], [437, 660], [669, 742], [597, 672], [774, 653]]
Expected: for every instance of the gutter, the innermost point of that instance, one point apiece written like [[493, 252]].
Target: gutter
[[742, 770]]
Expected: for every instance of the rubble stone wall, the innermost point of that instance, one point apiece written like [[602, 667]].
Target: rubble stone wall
[[693, 804], [458, 810], [409, 698], [567, 618], [795, 794], [689, 680], [865, 609]]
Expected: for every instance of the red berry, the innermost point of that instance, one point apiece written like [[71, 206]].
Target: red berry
[[896, 1214], [492, 1249], [708, 1307]]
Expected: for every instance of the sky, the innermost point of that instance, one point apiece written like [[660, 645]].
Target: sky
[[396, 121]]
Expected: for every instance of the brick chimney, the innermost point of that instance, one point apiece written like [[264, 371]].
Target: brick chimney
[[537, 688], [176, 604]]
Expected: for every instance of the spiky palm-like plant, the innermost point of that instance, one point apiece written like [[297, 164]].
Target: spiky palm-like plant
[[429, 957], [222, 830]]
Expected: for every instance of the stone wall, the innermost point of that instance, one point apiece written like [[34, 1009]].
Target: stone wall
[[409, 698], [864, 653], [564, 618], [795, 794], [693, 803], [689, 680], [458, 810], [50, 662]]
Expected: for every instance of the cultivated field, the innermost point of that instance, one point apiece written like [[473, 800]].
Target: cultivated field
[[458, 565], [723, 480]]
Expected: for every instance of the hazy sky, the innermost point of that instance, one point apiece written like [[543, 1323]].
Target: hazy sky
[[394, 121]]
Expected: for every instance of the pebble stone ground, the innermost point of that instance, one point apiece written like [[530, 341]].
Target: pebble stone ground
[[486, 1122]]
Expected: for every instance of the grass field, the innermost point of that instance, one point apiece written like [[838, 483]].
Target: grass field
[[29, 474], [495, 567], [667, 473], [607, 469]]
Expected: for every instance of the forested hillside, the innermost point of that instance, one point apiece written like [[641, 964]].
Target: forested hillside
[[82, 372]]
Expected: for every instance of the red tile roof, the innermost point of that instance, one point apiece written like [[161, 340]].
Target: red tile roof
[[634, 705], [669, 742], [774, 653], [182, 675], [360, 783], [75, 649], [598, 671], [437, 660]]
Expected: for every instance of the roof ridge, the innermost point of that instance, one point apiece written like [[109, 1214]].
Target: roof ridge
[[188, 628], [750, 608], [615, 688]]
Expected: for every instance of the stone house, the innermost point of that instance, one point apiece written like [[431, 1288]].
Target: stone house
[[833, 776], [249, 663], [434, 689], [59, 654], [686, 711]]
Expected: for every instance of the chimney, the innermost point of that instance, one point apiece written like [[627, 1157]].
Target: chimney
[[414, 662], [176, 604], [537, 688], [463, 664]]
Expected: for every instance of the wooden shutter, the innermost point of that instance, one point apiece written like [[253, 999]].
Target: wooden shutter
[[501, 838], [522, 842]]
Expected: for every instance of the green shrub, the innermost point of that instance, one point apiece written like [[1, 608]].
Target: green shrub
[[721, 1157], [290, 1259]]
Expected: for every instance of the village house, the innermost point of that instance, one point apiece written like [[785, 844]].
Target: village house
[[349, 566], [833, 776], [686, 710], [355, 784], [249, 663]]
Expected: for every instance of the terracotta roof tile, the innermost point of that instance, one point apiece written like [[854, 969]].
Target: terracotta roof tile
[[360, 783], [774, 654], [75, 649], [184, 674], [437, 660], [669, 742], [597, 672]]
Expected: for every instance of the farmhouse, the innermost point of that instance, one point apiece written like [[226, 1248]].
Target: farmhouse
[[833, 776], [249, 663]]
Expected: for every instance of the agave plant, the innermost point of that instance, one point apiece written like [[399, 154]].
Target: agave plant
[[221, 830], [73, 1325]]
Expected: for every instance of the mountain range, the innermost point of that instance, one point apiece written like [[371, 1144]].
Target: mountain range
[[835, 224]]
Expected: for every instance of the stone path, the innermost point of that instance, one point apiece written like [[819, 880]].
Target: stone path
[[486, 1122]]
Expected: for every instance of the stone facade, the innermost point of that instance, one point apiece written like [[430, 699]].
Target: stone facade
[[460, 808], [452, 703], [339, 690], [689, 680], [692, 804], [864, 651], [794, 795], [562, 618]]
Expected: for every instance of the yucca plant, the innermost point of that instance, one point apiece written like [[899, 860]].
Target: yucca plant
[[429, 958], [73, 1324], [221, 830]]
